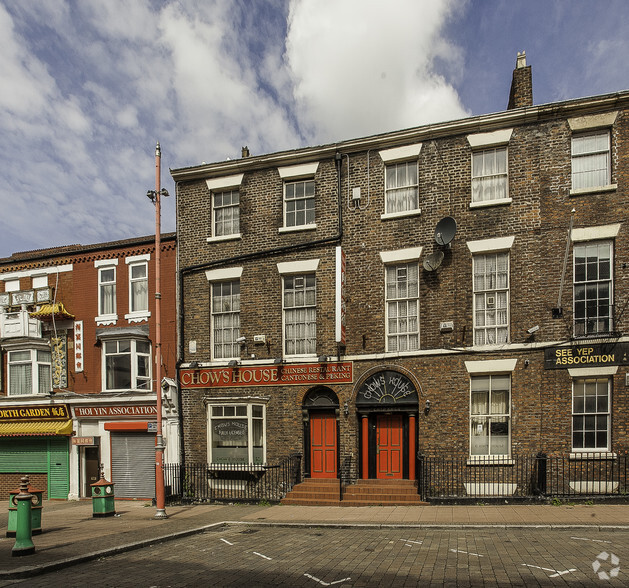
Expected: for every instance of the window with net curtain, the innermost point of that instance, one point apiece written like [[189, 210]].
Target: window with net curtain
[[491, 298], [591, 160], [30, 372], [226, 211], [401, 187], [107, 291], [225, 319], [590, 414], [237, 434], [300, 315], [489, 175], [490, 415], [402, 305], [139, 287]]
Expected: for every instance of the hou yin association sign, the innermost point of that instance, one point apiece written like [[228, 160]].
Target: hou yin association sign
[[580, 356]]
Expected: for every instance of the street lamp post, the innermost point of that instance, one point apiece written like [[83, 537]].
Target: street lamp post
[[155, 195]]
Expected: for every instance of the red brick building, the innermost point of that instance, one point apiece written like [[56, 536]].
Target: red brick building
[[453, 289], [76, 331]]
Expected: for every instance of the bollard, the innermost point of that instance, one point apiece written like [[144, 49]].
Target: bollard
[[103, 504], [36, 511], [23, 541]]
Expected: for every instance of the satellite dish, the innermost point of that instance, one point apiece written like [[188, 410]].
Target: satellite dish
[[433, 261], [445, 230]]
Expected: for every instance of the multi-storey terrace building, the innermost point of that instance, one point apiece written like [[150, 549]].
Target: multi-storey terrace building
[[77, 326], [453, 289]]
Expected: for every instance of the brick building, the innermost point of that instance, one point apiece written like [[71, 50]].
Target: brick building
[[453, 289], [76, 331]]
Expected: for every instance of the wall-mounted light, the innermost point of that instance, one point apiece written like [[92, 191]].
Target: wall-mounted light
[[194, 365], [427, 407], [323, 358], [233, 363], [345, 409], [278, 361]]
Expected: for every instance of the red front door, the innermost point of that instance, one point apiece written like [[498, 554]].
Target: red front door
[[323, 445], [389, 446]]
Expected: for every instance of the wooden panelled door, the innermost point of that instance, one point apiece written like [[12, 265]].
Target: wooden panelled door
[[323, 445], [390, 446]]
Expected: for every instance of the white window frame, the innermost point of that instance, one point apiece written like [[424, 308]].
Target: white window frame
[[138, 315], [482, 180], [250, 410], [234, 313], [600, 413], [489, 414], [606, 320], [294, 174], [103, 265], [35, 361], [232, 209], [490, 297], [404, 204], [296, 342], [134, 354], [588, 173], [308, 202], [406, 339], [220, 185]]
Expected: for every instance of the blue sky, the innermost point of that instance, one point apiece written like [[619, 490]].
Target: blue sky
[[88, 87]]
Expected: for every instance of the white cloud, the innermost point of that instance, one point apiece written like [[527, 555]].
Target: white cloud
[[363, 66]]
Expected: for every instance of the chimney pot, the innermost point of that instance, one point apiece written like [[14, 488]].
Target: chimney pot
[[245, 151], [521, 61], [521, 93]]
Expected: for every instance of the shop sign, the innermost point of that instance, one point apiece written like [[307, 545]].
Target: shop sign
[[59, 348], [78, 346], [51, 412], [114, 411], [86, 441], [275, 375], [593, 355]]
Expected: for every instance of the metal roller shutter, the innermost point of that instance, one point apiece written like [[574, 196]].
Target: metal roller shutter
[[133, 465]]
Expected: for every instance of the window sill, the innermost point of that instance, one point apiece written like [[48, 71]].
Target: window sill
[[138, 317], [486, 203], [224, 238], [403, 214], [311, 227], [590, 455], [482, 460], [106, 319], [594, 190]]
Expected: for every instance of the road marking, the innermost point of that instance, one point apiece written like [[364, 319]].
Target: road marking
[[225, 541], [411, 541], [264, 556], [467, 552], [586, 539], [326, 583], [557, 572]]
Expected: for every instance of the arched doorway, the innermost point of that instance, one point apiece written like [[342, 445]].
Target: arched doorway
[[320, 411], [387, 404]]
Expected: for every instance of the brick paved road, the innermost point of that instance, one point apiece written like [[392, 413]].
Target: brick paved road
[[311, 557]]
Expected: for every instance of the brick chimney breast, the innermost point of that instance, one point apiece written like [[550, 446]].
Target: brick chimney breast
[[521, 93]]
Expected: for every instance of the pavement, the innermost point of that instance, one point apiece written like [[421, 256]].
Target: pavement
[[70, 534]]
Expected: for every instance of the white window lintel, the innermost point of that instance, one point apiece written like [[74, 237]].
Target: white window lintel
[[136, 258], [490, 366], [304, 170], [223, 274], [225, 182], [486, 245], [401, 153], [593, 371], [595, 233], [594, 121], [500, 137], [298, 267], [106, 262], [410, 254]]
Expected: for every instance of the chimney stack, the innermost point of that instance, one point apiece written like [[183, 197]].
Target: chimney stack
[[245, 151], [521, 93]]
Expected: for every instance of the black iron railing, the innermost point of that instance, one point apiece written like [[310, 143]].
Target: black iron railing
[[579, 474], [198, 482]]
